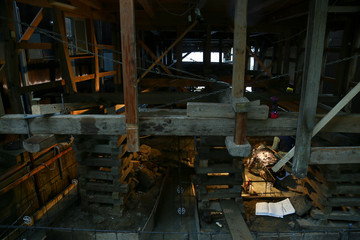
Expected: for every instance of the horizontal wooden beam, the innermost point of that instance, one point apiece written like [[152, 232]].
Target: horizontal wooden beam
[[165, 125], [42, 86], [224, 110], [29, 45], [84, 77], [335, 155]]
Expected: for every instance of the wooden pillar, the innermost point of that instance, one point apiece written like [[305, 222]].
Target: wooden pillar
[[351, 73], [11, 56], [207, 49], [239, 67], [128, 46], [279, 57], [310, 85]]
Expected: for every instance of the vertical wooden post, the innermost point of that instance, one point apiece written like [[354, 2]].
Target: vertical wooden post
[[207, 49], [2, 109], [310, 85], [63, 52], [128, 46], [286, 56], [11, 56], [239, 67]]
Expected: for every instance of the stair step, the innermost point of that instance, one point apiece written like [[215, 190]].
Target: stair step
[[106, 187], [101, 162], [218, 168]]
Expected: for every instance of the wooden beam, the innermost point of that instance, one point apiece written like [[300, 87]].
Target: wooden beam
[[335, 155], [148, 7], [344, 9], [321, 124], [237, 226], [128, 46], [310, 85], [147, 49], [164, 124], [117, 57], [223, 110], [239, 67], [168, 49], [207, 49], [63, 52], [57, 107], [83, 78], [33, 25], [42, 86], [11, 58]]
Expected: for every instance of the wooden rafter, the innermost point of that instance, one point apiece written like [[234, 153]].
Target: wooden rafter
[[149, 9], [30, 30]]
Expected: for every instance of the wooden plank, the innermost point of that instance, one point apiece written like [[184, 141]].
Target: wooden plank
[[83, 78], [39, 142], [344, 201], [218, 168], [326, 119], [28, 45], [310, 85], [335, 215], [81, 57], [63, 52], [42, 86], [128, 46], [224, 110], [57, 107], [335, 155], [237, 226], [108, 73], [30, 30], [94, 4], [101, 162]]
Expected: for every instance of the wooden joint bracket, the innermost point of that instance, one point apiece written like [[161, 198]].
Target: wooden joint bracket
[[240, 105]]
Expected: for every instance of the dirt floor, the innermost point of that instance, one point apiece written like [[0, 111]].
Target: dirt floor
[[99, 216]]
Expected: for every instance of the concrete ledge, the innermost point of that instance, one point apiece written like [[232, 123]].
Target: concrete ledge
[[237, 150]]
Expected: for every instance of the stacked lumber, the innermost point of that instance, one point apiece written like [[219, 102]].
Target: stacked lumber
[[104, 172], [335, 191], [218, 174]]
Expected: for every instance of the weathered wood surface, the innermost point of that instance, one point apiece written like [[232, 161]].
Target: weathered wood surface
[[128, 47], [310, 85], [177, 125], [335, 155], [57, 107], [237, 226], [328, 120], [38, 143], [223, 110]]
